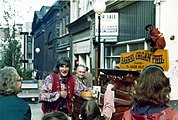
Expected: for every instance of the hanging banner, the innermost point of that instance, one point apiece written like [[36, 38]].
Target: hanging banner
[[138, 60]]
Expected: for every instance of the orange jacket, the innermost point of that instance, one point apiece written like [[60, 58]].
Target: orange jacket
[[158, 37], [166, 114]]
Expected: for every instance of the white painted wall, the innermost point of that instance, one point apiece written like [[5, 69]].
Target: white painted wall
[[79, 8], [167, 22]]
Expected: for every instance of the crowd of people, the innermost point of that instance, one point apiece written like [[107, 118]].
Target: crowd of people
[[56, 95]]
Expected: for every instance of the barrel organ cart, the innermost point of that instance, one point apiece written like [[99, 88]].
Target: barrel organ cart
[[123, 80]]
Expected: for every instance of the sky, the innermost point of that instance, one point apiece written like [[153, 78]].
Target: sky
[[24, 9]]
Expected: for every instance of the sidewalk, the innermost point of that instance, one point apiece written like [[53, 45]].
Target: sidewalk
[[36, 111]]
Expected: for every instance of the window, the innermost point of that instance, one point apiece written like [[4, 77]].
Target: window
[[60, 28], [108, 51], [64, 26], [57, 28], [119, 49], [136, 46], [29, 47], [112, 53], [67, 22]]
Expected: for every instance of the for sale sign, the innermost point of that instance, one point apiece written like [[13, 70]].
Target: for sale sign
[[109, 24]]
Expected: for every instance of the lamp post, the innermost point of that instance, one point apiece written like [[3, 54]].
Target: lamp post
[[99, 7], [37, 50], [25, 34]]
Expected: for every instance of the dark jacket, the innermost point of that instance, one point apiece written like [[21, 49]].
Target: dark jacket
[[14, 108], [87, 82]]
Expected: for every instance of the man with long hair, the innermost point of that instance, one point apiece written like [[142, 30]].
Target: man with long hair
[[57, 91]]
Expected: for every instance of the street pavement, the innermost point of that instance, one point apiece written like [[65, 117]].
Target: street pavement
[[36, 111]]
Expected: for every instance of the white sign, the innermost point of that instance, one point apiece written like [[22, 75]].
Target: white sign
[[82, 47], [96, 91], [108, 24], [107, 39]]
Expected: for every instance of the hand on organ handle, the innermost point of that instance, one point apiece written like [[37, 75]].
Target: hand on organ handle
[[110, 86], [63, 94]]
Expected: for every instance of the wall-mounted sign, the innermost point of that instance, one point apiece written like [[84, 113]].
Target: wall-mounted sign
[[109, 24], [138, 60], [81, 47], [106, 39]]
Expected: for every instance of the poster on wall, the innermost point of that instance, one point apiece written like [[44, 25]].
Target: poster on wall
[[138, 60]]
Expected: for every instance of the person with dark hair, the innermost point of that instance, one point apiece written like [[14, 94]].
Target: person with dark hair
[[91, 111], [57, 91], [38, 75], [11, 106], [151, 97], [58, 115], [156, 39]]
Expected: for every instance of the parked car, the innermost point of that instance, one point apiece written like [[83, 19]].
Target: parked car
[[30, 89]]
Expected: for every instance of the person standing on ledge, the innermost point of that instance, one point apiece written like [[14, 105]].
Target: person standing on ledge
[[156, 39]]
